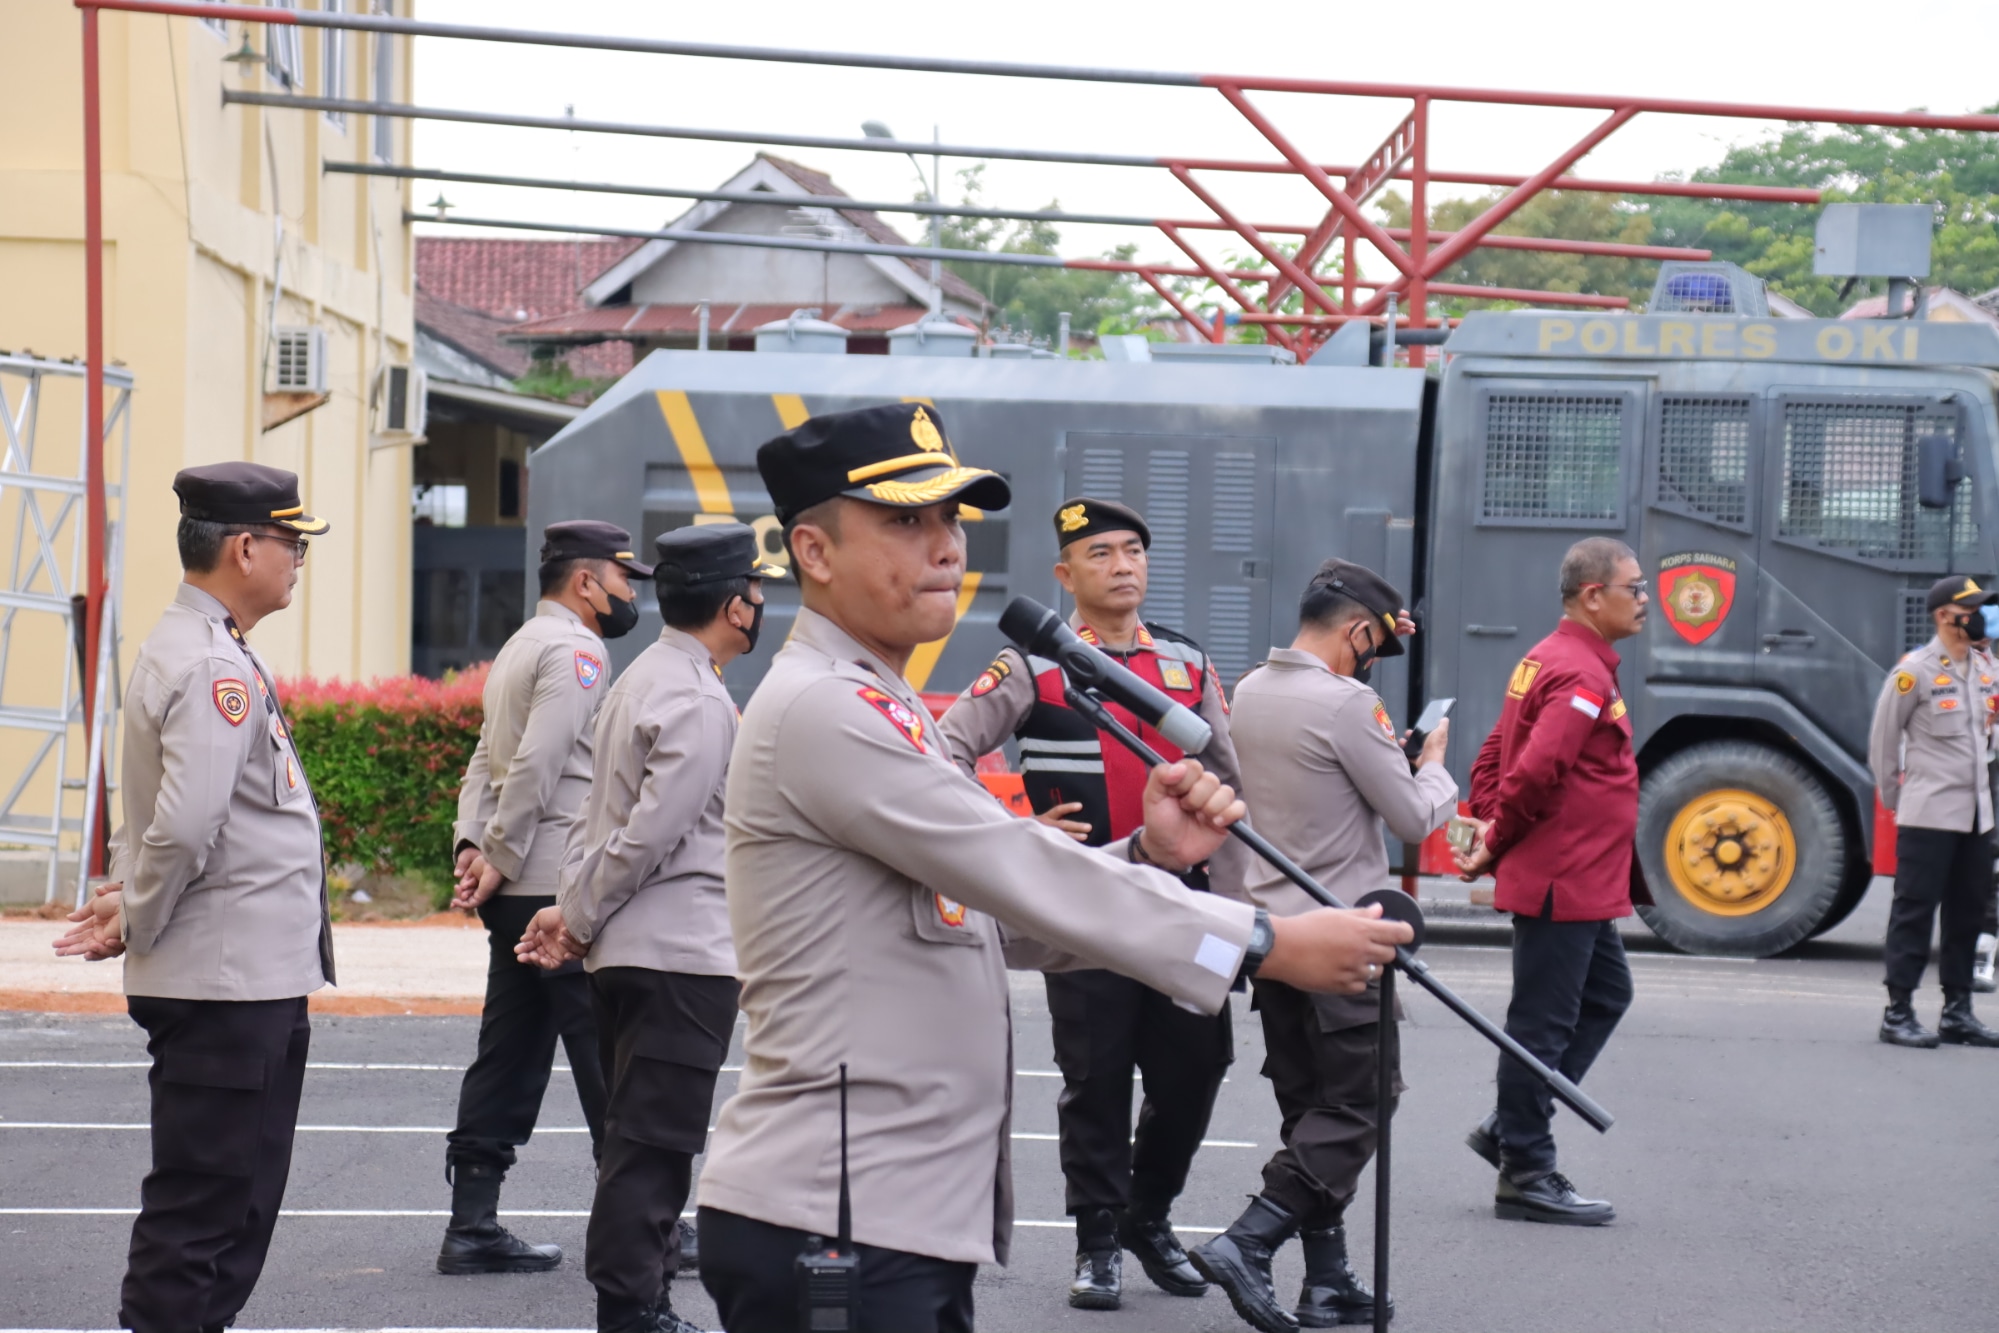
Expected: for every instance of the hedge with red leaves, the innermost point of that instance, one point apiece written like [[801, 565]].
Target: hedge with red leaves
[[385, 760]]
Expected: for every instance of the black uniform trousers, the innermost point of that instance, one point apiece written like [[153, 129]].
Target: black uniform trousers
[[663, 1036], [1319, 1055], [749, 1269], [1106, 1025], [526, 1010], [225, 1086], [1937, 869], [1571, 985]]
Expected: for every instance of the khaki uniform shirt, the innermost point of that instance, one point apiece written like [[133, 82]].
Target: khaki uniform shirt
[[643, 879], [877, 896], [1932, 739], [224, 874], [531, 768]]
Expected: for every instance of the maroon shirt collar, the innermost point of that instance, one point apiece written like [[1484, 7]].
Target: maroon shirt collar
[[1582, 633]]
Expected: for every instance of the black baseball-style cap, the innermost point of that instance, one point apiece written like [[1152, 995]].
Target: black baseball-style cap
[[709, 553], [897, 454], [590, 539], [247, 493], [1084, 517], [1960, 590], [1368, 588]]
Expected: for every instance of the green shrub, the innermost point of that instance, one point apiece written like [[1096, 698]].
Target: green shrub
[[385, 760]]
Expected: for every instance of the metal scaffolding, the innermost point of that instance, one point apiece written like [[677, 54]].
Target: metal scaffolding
[[44, 700]]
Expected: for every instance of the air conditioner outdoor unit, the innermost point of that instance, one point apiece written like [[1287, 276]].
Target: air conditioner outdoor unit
[[403, 402], [301, 361]]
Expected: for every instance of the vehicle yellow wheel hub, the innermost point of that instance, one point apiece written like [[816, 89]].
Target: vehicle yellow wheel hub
[[1730, 852]]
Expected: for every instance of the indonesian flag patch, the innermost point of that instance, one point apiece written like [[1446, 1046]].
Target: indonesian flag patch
[[588, 669], [1585, 702], [899, 716], [232, 700]]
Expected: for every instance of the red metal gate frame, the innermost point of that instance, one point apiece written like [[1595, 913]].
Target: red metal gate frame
[[1403, 155]]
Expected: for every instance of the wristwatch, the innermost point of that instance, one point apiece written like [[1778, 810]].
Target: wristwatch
[[1261, 937]]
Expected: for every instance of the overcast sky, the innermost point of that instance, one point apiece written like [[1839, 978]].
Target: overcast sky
[[1835, 53]]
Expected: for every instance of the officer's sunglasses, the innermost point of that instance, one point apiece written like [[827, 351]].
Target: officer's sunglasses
[[298, 547]]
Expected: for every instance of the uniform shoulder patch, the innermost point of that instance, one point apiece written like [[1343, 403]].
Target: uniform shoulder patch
[[1617, 709], [1904, 682], [989, 679], [589, 669], [1523, 678], [899, 716], [1381, 719], [232, 700]]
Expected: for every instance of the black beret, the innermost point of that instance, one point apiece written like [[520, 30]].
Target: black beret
[[1959, 590], [896, 454], [244, 493], [710, 552], [1372, 591], [1084, 517], [590, 539]]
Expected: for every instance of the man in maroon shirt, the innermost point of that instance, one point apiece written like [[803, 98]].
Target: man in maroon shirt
[[1556, 790]]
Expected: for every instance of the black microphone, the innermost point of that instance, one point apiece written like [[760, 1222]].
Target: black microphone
[[1037, 630]]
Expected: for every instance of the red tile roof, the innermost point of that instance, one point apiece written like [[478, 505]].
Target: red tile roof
[[624, 321], [472, 332], [514, 280]]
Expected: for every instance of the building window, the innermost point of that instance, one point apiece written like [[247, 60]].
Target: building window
[[439, 504], [217, 25], [384, 89], [281, 50], [333, 62]]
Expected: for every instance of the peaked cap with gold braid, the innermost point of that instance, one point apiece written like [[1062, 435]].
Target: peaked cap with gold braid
[[897, 454]]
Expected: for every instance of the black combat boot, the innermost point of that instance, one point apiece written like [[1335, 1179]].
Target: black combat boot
[[1149, 1236], [615, 1314], [1959, 1026], [1548, 1197], [474, 1241], [1099, 1283], [1899, 1026], [690, 1248], [1333, 1293], [1484, 1139], [666, 1320], [1238, 1261]]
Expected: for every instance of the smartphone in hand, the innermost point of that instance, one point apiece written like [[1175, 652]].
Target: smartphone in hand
[[1434, 712]]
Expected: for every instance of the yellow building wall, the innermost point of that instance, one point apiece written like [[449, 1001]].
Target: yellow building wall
[[208, 210]]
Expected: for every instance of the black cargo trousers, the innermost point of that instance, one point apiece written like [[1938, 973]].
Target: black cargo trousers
[[225, 1084], [527, 1010], [1938, 872]]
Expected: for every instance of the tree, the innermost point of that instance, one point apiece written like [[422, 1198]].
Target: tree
[[1567, 214]]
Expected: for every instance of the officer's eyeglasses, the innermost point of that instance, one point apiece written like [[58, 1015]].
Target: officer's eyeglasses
[[298, 547], [1637, 588]]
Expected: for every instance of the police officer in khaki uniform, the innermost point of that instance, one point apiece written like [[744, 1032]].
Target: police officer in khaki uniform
[[218, 903], [642, 902], [1929, 749], [1321, 762], [1120, 1186], [877, 896], [523, 789]]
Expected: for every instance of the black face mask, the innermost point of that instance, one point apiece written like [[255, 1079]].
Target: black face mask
[[1363, 660], [618, 621], [756, 625]]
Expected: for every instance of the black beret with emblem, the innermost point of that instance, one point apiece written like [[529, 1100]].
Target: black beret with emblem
[[1363, 585], [590, 539], [1960, 590], [709, 553], [248, 493], [897, 454], [1084, 517]]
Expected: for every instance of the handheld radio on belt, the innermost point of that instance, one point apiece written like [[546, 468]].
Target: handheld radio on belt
[[828, 1276]]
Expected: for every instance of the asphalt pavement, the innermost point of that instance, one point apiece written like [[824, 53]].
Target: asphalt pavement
[[1773, 1166]]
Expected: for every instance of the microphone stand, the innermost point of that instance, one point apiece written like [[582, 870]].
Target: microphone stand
[[1393, 903]]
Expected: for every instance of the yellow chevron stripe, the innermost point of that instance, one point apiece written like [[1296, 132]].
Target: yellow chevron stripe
[[924, 660], [709, 484], [790, 409]]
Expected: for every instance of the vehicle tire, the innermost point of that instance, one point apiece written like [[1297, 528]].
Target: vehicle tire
[[1742, 847], [1859, 876]]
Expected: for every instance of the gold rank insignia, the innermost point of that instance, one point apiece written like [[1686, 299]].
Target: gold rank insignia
[[1904, 682], [1072, 518], [1523, 677], [924, 432], [1941, 680], [1174, 676], [1617, 709]]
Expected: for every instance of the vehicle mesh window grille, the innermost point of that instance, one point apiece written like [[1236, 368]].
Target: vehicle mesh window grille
[[1234, 502], [1166, 498], [1229, 607], [1103, 474], [1553, 456], [1850, 481], [1917, 627], [1704, 457]]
